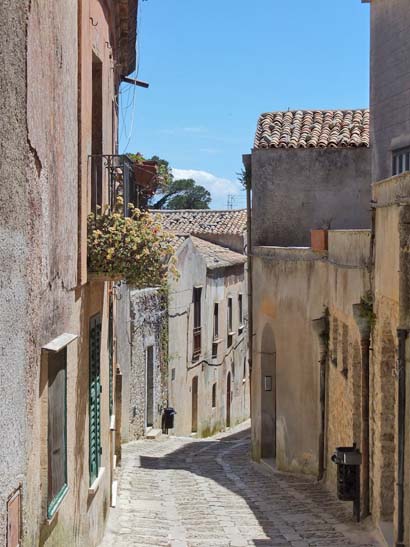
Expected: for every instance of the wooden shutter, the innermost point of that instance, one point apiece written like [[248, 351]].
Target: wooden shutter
[[14, 520], [95, 396], [57, 427]]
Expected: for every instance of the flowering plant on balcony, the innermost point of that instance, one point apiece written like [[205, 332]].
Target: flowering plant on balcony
[[133, 248]]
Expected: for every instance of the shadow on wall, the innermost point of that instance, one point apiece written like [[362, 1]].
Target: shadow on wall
[[259, 489], [268, 393]]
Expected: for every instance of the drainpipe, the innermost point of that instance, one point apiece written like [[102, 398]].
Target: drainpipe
[[247, 163], [364, 327], [321, 328], [402, 336]]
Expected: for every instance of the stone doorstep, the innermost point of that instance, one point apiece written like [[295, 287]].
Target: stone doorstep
[[153, 433]]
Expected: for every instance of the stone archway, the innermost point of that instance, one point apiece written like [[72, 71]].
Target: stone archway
[[268, 391]]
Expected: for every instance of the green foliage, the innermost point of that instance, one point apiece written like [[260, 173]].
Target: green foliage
[[366, 309], [134, 247], [184, 194], [244, 177]]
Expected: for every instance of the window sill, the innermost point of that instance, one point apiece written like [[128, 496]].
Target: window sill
[[96, 484], [112, 422], [240, 330], [56, 505], [217, 340], [231, 333]]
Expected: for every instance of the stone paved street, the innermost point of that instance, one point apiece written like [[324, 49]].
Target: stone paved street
[[207, 493]]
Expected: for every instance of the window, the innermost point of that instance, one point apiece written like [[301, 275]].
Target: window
[[240, 309], [96, 135], [230, 333], [197, 323], [214, 396], [173, 374], [215, 332], [57, 429], [95, 449], [216, 321], [401, 161]]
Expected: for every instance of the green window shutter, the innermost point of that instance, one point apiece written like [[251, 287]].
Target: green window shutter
[[95, 396]]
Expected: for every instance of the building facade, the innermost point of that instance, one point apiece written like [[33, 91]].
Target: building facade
[[63, 64], [311, 325], [142, 355]]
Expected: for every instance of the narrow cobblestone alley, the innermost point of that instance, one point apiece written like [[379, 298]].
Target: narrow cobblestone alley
[[180, 492]]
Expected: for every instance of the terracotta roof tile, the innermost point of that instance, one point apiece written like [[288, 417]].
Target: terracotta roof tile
[[313, 129], [203, 221], [217, 256]]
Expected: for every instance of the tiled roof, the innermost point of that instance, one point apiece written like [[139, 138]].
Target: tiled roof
[[217, 256], [313, 129], [203, 221]]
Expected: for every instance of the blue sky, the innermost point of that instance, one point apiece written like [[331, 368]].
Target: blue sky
[[214, 66]]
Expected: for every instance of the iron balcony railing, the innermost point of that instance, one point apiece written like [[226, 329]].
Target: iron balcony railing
[[116, 172]]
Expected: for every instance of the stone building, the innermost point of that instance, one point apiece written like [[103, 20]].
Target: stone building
[[390, 136], [310, 336], [61, 68], [208, 379], [142, 315], [353, 358]]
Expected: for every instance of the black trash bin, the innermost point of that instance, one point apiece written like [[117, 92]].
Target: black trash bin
[[348, 460], [169, 414]]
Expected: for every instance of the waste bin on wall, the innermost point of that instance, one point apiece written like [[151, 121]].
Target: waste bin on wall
[[348, 460], [168, 418]]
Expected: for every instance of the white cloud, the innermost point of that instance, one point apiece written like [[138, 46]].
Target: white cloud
[[219, 187]]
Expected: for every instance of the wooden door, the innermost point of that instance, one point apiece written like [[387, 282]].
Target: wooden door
[[228, 400], [195, 404]]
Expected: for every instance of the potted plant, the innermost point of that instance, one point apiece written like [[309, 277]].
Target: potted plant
[[133, 248]]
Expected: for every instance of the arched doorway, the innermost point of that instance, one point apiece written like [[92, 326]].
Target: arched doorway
[[194, 404], [268, 393], [228, 400]]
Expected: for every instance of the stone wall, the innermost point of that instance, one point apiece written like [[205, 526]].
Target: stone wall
[[148, 316], [295, 190], [390, 88]]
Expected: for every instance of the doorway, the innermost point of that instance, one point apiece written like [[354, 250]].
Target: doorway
[[268, 390], [228, 400], [194, 404], [150, 386]]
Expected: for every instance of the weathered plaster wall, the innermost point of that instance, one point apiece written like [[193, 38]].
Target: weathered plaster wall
[[292, 289], [147, 323], [39, 245], [14, 208], [294, 191], [288, 295], [389, 89], [216, 287]]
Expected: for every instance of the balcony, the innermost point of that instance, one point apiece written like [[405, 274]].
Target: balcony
[[113, 176]]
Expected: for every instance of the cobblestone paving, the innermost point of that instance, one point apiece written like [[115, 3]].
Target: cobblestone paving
[[181, 492]]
